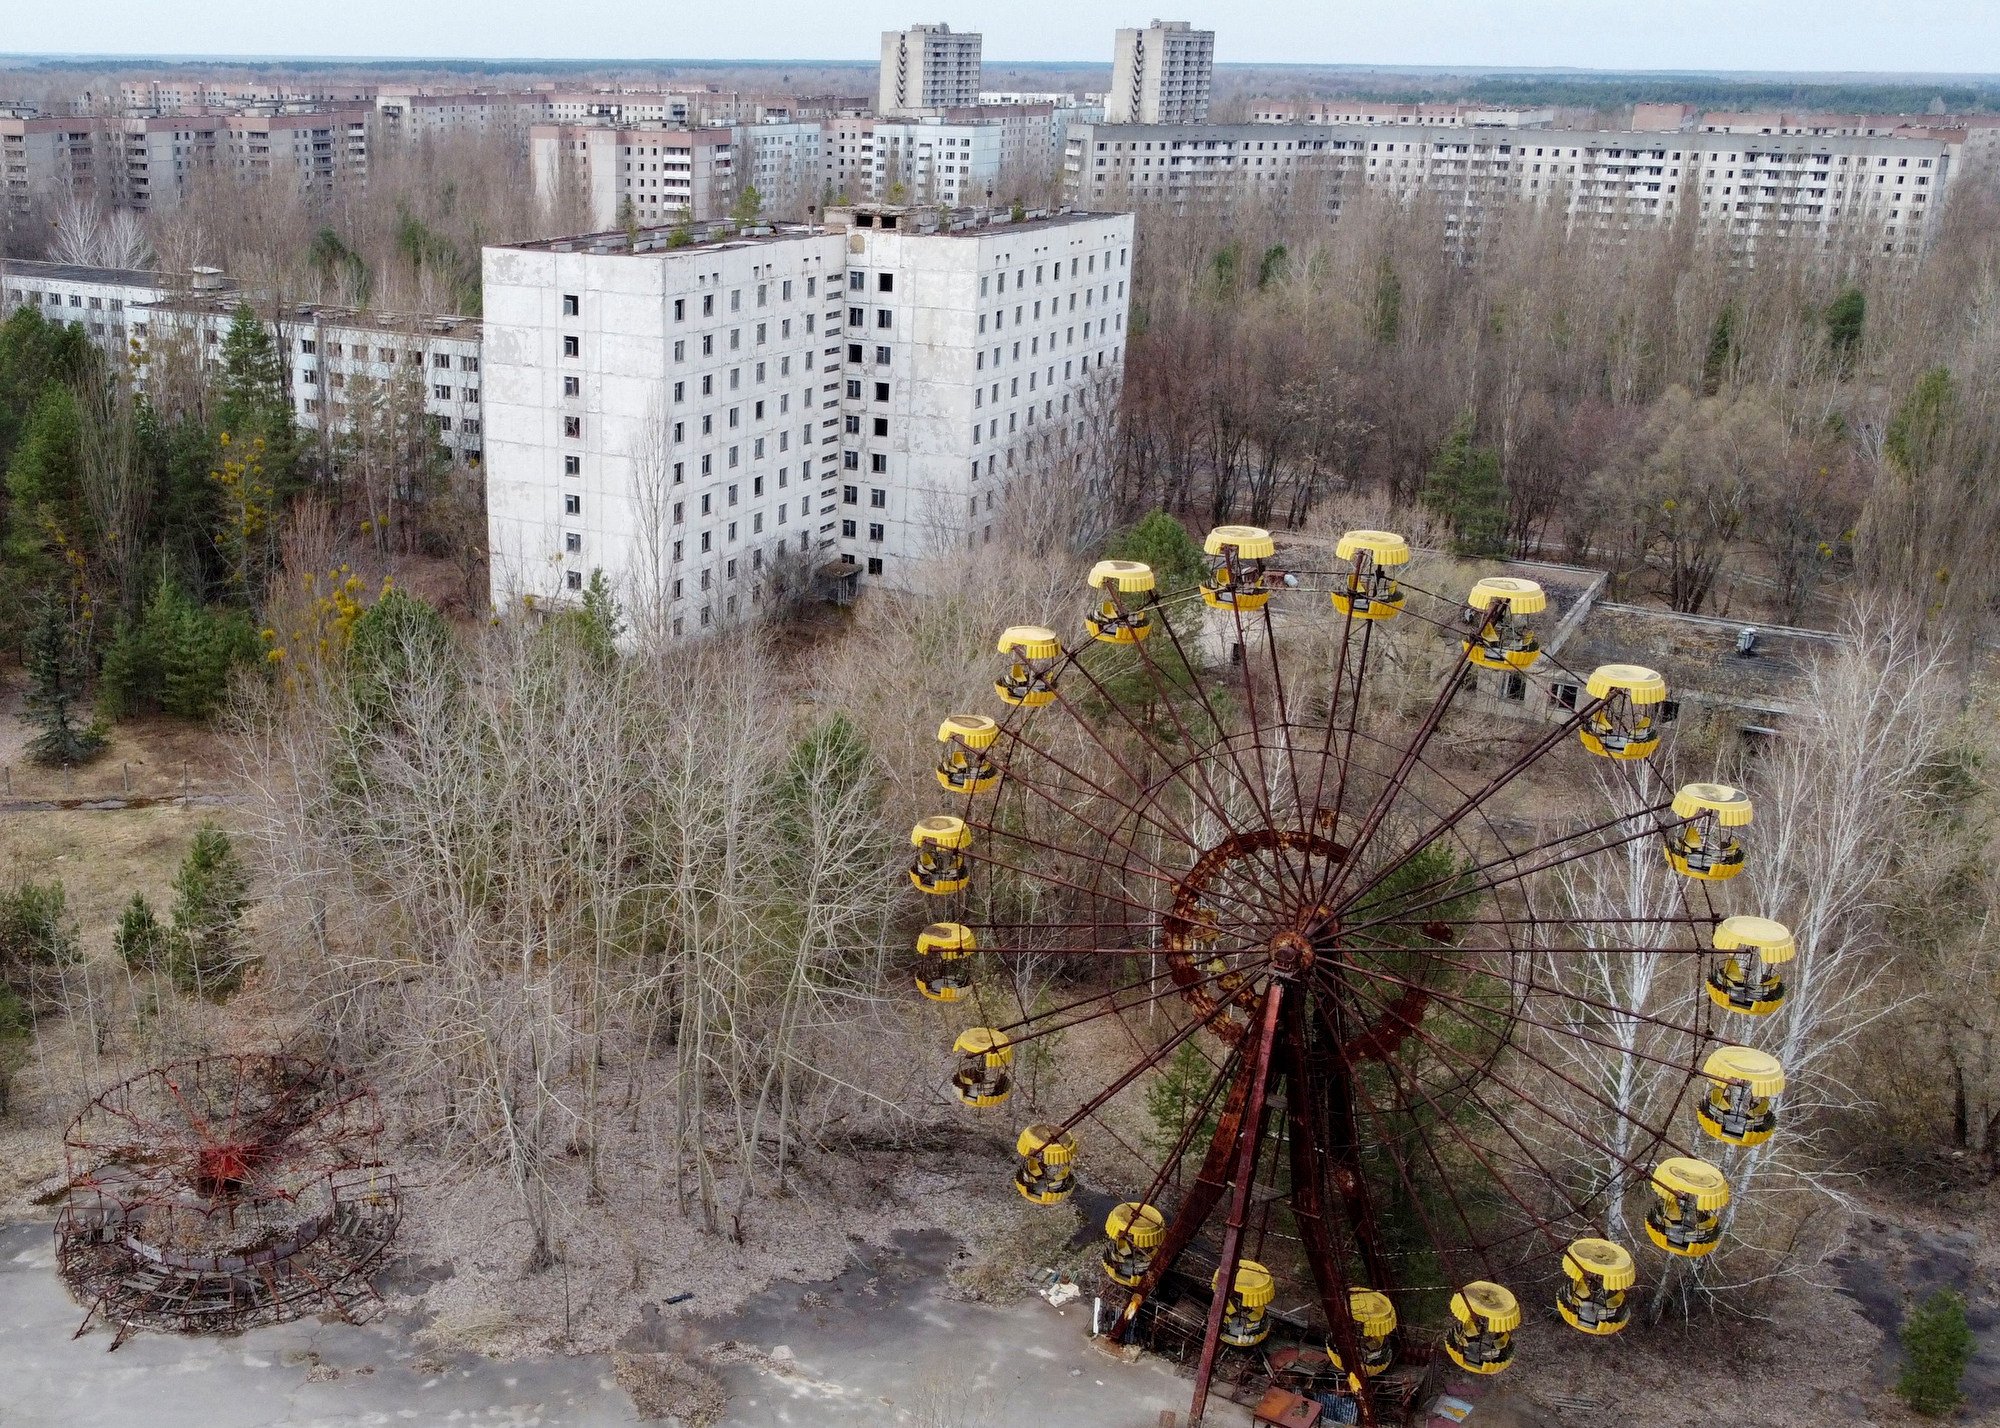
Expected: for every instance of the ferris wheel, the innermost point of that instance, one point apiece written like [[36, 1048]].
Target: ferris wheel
[[1247, 859]]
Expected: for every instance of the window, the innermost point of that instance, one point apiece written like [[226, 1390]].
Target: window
[[881, 356], [572, 505], [850, 495], [572, 466], [572, 347], [878, 462], [853, 424], [732, 494], [572, 542], [854, 390], [573, 428], [881, 392], [572, 386], [573, 579], [885, 283], [570, 305], [855, 316], [885, 318], [708, 304], [680, 309], [878, 498], [441, 362], [850, 461], [847, 529], [857, 282], [680, 351], [881, 426], [874, 565], [854, 351], [874, 531]]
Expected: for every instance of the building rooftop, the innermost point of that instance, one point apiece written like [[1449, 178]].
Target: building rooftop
[[714, 235], [405, 324], [1702, 657], [83, 273]]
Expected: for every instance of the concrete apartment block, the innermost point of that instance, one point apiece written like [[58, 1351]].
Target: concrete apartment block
[[859, 395], [927, 67], [1161, 75]]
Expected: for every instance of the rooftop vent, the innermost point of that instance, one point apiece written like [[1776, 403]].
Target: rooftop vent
[[1746, 641]]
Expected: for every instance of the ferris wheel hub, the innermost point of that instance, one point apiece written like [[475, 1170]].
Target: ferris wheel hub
[[1291, 953]]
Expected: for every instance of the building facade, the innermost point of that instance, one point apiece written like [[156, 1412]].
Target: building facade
[[859, 394], [1882, 191], [647, 175], [927, 67], [1161, 75]]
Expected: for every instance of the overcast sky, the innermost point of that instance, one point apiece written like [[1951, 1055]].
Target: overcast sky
[[1929, 36]]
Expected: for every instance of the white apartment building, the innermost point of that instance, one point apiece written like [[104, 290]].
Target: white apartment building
[[125, 312], [326, 350], [927, 67], [1368, 111], [404, 115], [929, 159], [1881, 190], [782, 162], [1161, 75], [859, 394], [934, 161], [647, 174], [110, 304]]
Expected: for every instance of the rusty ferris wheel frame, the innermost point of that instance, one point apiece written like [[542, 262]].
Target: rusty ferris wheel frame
[[1339, 925]]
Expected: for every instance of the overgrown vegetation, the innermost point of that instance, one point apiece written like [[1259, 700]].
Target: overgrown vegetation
[[1937, 1345]]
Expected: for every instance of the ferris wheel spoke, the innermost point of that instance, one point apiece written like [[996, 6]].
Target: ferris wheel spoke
[[1557, 993], [1506, 776], [1170, 1045], [1257, 791], [1332, 721], [1166, 829], [1445, 1048], [1471, 1243], [1075, 813], [1164, 692], [1225, 1076], [1257, 732], [1411, 756], [1033, 1019], [1483, 1075], [1035, 1030], [1153, 868], [1494, 884]]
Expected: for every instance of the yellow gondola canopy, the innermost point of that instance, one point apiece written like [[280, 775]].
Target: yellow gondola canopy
[[1759, 1071], [941, 830], [1637, 683], [1772, 941], [1374, 1312], [1522, 597], [1731, 806], [1049, 1144], [985, 1041], [1246, 542], [975, 731], [1602, 1260], [1253, 1286], [1382, 547], [1484, 1305], [1686, 1178], [1141, 1226], [946, 940], [1030, 642], [1128, 577]]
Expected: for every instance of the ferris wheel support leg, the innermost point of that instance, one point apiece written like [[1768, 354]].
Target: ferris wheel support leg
[[1309, 1177], [1196, 1205], [1248, 1138]]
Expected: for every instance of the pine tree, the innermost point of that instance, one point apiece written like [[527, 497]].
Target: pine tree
[[1846, 318], [56, 673], [141, 939], [1464, 489], [1938, 1345], [211, 894]]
